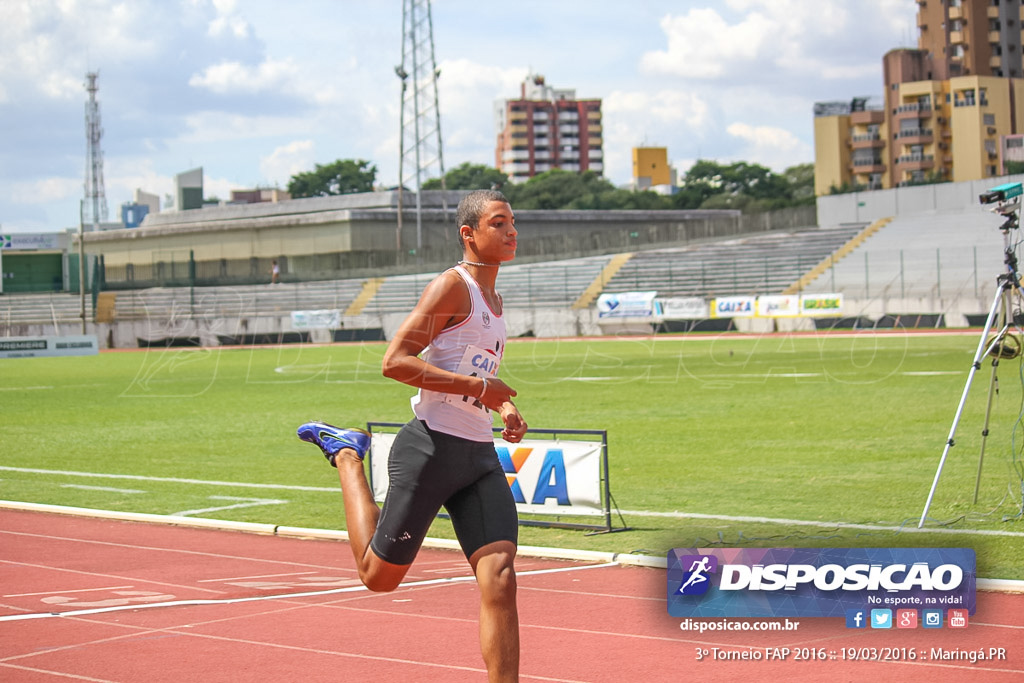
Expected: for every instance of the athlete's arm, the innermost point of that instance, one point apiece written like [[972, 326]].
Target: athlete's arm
[[515, 425], [445, 302]]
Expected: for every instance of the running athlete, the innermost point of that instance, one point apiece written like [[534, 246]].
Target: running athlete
[[449, 347]]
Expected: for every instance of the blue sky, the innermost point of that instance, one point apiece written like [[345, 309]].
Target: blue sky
[[257, 90]]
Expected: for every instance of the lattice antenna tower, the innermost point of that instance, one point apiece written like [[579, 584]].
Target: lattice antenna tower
[[95, 205], [420, 119]]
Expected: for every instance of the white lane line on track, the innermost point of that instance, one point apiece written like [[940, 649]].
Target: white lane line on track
[[259, 576], [77, 590], [136, 546], [282, 596]]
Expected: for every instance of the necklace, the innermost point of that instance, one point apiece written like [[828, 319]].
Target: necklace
[[475, 263]]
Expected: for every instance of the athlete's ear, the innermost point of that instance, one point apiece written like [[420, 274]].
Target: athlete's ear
[[465, 232]]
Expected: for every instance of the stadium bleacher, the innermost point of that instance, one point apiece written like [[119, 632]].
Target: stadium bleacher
[[762, 264], [937, 254]]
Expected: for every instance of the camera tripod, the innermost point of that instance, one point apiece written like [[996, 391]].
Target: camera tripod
[[1002, 345]]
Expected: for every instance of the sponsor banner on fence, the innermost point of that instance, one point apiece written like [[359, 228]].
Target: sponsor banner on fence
[[782, 306], [733, 307], [627, 305], [817, 305], [819, 582], [546, 476], [29, 347], [49, 241], [692, 308], [316, 320]]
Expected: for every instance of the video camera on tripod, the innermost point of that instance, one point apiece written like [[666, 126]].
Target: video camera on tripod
[[1005, 197]]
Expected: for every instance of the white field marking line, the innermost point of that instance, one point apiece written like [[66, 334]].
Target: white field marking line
[[933, 373], [830, 525], [23, 388], [356, 655], [134, 546], [180, 631], [245, 503], [106, 576], [281, 596], [592, 594], [58, 674], [77, 590], [260, 576], [111, 489], [172, 480]]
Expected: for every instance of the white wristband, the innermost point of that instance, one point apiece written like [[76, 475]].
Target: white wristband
[[484, 389]]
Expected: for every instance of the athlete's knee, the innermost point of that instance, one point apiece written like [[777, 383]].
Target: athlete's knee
[[379, 583], [380, 575], [498, 586], [496, 574]]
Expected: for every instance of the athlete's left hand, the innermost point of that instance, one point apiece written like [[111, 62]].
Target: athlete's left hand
[[515, 425]]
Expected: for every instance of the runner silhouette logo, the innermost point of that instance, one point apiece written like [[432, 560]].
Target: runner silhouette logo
[[696, 579]]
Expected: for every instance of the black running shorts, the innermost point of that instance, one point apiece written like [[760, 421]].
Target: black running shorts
[[428, 469]]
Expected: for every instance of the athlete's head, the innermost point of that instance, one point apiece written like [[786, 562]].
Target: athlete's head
[[471, 208]]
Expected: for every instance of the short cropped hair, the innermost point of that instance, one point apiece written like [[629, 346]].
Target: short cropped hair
[[472, 206]]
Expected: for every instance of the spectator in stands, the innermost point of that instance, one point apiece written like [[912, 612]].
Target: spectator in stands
[[275, 272], [449, 347]]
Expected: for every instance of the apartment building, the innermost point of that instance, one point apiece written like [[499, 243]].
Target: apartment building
[[547, 128], [965, 37], [945, 108], [651, 168]]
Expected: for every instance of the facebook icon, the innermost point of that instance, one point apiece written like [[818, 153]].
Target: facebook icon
[[856, 618]]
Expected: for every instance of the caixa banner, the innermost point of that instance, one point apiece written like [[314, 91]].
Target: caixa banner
[[817, 582], [560, 477]]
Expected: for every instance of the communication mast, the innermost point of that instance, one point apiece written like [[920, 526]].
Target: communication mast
[[420, 119], [95, 204]]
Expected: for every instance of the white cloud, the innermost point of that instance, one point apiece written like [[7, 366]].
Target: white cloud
[[279, 166], [45, 190], [663, 107], [701, 44], [754, 40], [776, 148], [208, 127], [234, 77]]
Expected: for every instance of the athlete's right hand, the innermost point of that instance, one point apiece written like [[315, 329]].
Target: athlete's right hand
[[496, 393]]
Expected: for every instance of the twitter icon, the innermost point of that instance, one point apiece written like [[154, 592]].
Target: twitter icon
[[881, 618]]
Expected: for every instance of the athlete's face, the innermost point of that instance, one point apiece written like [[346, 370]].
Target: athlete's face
[[494, 240]]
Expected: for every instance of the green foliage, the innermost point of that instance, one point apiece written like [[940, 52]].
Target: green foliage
[[343, 176], [470, 177], [1014, 167], [824, 429]]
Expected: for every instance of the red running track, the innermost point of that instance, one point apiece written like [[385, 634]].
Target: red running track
[[146, 602]]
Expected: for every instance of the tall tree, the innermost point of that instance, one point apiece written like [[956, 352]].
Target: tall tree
[[344, 176], [469, 177], [559, 189]]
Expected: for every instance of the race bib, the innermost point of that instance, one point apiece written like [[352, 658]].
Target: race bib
[[476, 362]]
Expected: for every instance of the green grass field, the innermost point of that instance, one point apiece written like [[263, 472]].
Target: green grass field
[[760, 432]]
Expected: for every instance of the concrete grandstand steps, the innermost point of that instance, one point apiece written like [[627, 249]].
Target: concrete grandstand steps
[[48, 307], [943, 254], [836, 256], [757, 265], [235, 301], [555, 284]]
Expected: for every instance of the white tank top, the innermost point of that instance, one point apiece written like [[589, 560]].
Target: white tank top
[[473, 347]]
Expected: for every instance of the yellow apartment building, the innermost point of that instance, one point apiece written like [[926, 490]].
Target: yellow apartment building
[[650, 167]]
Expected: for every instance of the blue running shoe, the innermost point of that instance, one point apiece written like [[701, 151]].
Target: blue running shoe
[[332, 439]]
